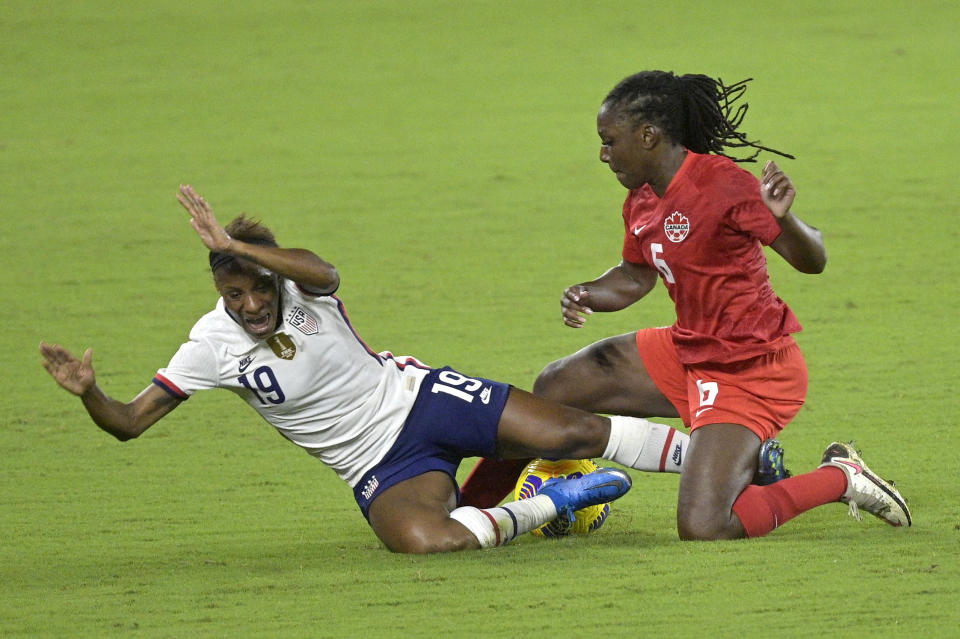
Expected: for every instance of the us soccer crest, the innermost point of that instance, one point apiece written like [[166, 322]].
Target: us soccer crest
[[676, 226], [303, 321], [282, 346]]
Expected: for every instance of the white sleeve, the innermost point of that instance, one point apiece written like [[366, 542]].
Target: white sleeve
[[193, 367]]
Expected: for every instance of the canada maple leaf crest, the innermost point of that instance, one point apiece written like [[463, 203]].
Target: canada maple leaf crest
[[676, 226]]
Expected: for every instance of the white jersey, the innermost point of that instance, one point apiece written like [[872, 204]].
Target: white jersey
[[314, 380]]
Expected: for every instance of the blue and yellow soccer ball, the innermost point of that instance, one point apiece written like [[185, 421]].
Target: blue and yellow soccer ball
[[539, 471]]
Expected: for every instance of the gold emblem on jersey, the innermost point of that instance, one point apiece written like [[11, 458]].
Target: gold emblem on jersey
[[283, 347]]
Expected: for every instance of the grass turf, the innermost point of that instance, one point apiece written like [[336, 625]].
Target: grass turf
[[443, 155]]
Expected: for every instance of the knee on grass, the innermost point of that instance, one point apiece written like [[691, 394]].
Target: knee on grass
[[424, 538], [708, 526]]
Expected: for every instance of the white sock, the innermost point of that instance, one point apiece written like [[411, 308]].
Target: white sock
[[498, 526], [645, 445]]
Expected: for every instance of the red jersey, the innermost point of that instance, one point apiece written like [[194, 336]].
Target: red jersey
[[704, 237]]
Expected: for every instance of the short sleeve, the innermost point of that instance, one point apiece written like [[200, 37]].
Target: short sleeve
[[639, 203], [192, 368], [631, 248], [754, 218]]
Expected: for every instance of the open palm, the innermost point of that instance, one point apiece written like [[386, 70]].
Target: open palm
[[75, 375]]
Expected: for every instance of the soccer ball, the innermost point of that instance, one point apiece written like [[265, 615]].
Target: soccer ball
[[539, 471]]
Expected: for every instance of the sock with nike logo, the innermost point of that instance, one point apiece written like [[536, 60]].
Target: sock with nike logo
[[645, 445]]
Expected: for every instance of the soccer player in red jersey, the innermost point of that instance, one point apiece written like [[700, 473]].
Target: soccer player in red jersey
[[729, 366]]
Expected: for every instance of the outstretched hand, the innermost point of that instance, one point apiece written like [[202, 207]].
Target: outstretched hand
[[776, 190], [203, 221], [573, 306], [71, 373]]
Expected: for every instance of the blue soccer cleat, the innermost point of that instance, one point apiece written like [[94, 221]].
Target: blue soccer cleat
[[570, 494], [770, 468]]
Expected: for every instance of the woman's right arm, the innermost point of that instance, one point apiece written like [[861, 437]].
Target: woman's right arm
[[123, 421], [304, 267], [616, 289]]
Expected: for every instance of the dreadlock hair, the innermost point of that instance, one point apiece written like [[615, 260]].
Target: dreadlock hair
[[695, 110], [245, 230]]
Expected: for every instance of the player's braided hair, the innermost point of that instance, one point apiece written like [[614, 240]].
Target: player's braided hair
[[695, 110], [246, 230]]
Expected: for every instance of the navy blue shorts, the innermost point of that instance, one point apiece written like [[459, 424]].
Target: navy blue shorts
[[454, 417]]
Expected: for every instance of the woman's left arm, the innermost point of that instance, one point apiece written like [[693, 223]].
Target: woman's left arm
[[800, 244]]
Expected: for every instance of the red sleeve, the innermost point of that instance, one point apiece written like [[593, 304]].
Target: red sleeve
[[746, 212], [631, 246], [754, 218]]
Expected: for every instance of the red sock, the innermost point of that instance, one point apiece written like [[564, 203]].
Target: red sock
[[490, 481], [763, 508]]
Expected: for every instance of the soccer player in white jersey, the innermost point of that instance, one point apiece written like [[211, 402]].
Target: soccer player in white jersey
[[393, 428]]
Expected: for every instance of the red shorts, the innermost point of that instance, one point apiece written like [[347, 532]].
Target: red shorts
[[762, 393]]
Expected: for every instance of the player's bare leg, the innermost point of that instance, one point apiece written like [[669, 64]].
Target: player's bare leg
[[417, 515], [721, 463], [533, 427], [605, 377], [414, 516]]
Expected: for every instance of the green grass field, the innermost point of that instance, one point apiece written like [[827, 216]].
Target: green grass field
[[444, 156]]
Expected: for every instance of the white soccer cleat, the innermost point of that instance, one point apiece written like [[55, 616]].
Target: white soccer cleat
[[865, 490]]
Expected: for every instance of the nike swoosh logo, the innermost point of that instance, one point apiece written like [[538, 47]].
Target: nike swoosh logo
[[485, 395], [637, 230], [703, 410], [613, 483], [245, 365], [856, 467]]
